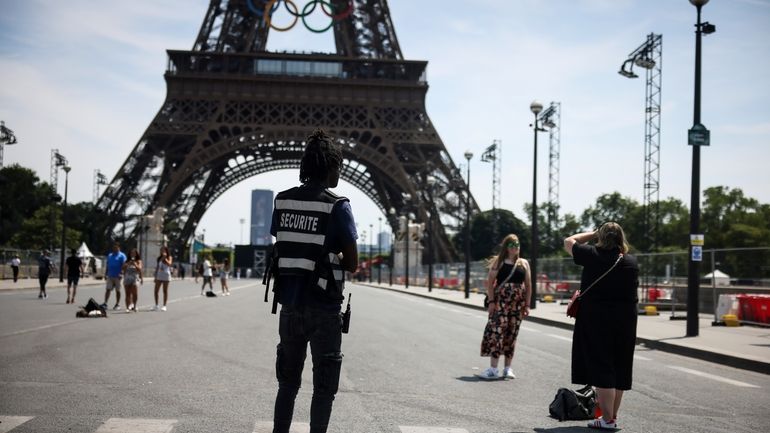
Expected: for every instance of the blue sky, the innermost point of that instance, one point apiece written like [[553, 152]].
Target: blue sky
[[87, 78]]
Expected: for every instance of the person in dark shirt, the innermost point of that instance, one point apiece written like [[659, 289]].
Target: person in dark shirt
[[508, 293], [313, 228], [74, 269], [44, 267], [604, 336]]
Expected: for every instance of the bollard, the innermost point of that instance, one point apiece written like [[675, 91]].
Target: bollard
[[731, 320]]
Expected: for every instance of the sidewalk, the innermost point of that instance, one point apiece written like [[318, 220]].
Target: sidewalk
[[53, 282], [744, 347]]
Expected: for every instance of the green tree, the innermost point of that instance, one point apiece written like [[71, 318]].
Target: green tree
[[674, 225], [21, 194], [623, 210], [487, 230], [35, 231]]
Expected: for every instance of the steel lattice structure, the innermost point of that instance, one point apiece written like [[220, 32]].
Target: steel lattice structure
[[234, 110], [649, 56]]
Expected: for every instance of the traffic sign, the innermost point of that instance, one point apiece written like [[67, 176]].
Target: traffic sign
[[697, 253], [697, 240], [698, 135]]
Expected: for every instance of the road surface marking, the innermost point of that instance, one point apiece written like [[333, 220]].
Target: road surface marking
[[641, 358], [412, 429], [560, 337], [137, 425], [8, 423], [267, 427], [713, 377]]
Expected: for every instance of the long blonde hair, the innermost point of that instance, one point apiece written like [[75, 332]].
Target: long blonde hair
[[494, 262], [611, 236]]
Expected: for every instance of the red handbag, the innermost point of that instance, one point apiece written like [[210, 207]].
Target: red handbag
[[574, 303]]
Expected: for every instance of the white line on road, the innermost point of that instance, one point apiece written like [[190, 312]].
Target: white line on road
[[413, 429], [641, 358], [8, 423], [713, 377], [137, 425], [560, 337], [267, 427]]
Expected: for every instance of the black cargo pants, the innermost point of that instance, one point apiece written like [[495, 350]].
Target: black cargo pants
[[297, 328]]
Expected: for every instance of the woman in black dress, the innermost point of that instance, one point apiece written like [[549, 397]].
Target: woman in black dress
[[508, 293], [605, 328]]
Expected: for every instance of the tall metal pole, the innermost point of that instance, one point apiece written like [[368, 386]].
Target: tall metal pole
[[379, 253], [431, 181], [536, 108], [406, 255], [66, 169], [693, 269], [371, 247], [468, 156]]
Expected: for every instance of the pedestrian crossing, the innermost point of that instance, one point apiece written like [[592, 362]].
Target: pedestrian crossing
[[148, 425]]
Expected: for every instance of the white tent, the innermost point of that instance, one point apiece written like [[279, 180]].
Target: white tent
[[85, 254], [719, 277]]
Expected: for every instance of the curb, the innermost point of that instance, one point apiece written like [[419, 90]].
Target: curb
[[704, 355]]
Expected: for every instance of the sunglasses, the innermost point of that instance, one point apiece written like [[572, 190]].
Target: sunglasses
[[512, 245]]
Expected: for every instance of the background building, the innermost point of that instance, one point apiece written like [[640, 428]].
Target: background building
[[261, 215]]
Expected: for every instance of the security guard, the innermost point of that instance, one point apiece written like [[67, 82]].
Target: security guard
[[316, 242]]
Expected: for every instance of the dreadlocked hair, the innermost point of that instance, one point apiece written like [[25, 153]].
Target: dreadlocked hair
[[321, 156]]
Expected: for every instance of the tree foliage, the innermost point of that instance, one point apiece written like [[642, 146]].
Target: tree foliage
[[21, 194]]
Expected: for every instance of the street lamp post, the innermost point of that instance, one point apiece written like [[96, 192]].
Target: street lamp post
[[371, 247], [536, 108], [431, 182], [468, 155], [392, 260], [379, 252], [693, 269], [66, 169]]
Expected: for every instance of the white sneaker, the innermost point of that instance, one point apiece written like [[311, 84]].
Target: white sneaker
[[163, 308], [130, 307], [600, 423], [489, 374], [156, 308], [508, 373]]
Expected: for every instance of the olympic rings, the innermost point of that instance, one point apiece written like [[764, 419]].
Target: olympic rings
[[331, 22], [341, 15], [258, 12], [269, 13], [271, 6]]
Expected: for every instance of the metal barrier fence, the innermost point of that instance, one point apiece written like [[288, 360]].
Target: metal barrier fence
[[662, 277], [29, 263]]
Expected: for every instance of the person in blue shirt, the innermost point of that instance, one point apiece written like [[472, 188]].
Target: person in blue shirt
[[316, 242], [113, 274]]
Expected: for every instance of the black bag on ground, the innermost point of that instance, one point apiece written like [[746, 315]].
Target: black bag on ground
[[211, 294], [91, 305], [573, 405]]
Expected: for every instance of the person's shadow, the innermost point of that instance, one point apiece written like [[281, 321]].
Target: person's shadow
[[565, 429]]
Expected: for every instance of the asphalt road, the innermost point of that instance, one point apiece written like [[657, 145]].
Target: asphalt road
[[206, 365]]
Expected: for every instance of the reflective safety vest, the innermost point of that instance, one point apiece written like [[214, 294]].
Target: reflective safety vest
[[303, 216]]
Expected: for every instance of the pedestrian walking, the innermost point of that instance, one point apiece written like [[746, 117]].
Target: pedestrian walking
[[224, 270], [316, 241], [181, 270], [74, 268], [15, 263], [132, 279], [113, 274], [44, 268], [604, 335], [207, 273], [162, 276], [509, 290], [198, 271]]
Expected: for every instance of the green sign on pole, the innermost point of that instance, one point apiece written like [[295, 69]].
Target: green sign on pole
[[698, 135]]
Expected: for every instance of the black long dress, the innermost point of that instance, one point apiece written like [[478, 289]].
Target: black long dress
[[605, 330]]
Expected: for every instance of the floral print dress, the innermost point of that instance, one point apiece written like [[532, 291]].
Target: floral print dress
[[503, 324]]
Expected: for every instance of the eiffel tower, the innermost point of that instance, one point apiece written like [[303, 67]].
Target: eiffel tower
[[234, 110]]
